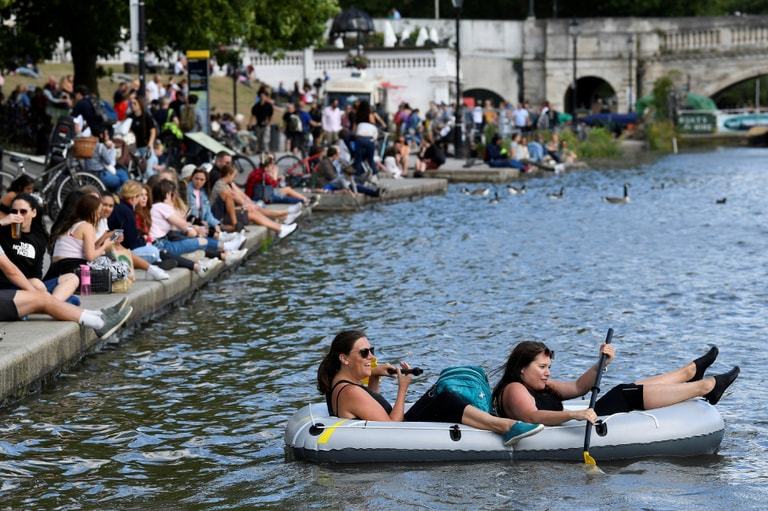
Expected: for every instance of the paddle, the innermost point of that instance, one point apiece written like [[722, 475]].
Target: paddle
[[589, 460]]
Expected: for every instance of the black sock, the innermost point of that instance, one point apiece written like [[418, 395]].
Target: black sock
[[703, 362]]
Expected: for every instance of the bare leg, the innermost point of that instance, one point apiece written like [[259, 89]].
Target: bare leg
[[479, 419], [258, 218], [138, 262], [32, 302], [68, 284], [680, 375], [665, 394]]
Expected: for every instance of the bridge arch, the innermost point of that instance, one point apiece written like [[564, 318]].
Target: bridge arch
[[593, 93]]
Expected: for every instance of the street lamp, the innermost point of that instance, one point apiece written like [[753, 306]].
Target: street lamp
[[630, 102], [574, 29], [457, 138]]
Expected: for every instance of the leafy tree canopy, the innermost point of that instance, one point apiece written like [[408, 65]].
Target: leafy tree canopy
[[95, 29]]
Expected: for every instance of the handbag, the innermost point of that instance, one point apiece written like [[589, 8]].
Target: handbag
[[468, 382], [101, 281], [262, 191], [176, 235]]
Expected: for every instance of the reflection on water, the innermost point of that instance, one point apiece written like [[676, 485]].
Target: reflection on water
[[189, 413]]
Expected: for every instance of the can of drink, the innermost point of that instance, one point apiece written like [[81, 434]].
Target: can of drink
[[15, 231]]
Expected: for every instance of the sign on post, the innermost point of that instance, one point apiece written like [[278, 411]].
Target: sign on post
[[697, 122], [198, 67]]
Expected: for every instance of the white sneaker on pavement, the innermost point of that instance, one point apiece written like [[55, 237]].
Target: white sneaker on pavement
[[234, 244], [286, 230], [293, 208]]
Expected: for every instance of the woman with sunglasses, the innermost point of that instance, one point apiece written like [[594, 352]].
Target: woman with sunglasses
[[28, 251], [349, 361], [526, 392]]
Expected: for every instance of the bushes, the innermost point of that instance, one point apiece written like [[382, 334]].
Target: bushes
[[659, 135], [599, 143]]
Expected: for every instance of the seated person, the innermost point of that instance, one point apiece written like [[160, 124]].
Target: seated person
[[348, 362], [22, 184], [346, 183], [553, 148], [166, 220], [430, 156], [390, 165], [235, 209], [27, 252], [327, 168], [568, 156], [498, 156], [74, 238], [525, 391], [536, 148], [127, 215], [103, 163], [268, 174], [16, 304]]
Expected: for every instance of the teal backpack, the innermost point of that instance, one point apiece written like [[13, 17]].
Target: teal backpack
[[469, 382]]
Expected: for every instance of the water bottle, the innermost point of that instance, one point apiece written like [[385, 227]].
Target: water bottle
[[85, 280]]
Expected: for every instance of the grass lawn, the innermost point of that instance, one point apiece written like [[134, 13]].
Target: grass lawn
[[220, 87]]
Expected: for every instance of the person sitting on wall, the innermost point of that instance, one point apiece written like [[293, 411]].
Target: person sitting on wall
[[498, 156]]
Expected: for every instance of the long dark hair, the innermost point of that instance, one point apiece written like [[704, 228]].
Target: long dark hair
[[38, 226], [523, 354], [86, 209], [363, 112], [342, 344]]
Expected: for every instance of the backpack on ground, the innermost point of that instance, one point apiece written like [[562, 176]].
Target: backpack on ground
[[187, 120], [468, 382]]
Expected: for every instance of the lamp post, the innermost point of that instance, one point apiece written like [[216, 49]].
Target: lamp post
[[574, 29], [630, 102], [457, 125]]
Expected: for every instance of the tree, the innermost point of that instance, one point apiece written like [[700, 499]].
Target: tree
[[93, 29]]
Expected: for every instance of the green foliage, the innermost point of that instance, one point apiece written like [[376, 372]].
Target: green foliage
[[177, 25], [659, 135], [599, 143], [661, 88]]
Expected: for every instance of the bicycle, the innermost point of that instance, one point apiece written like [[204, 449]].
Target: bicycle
[[61, 176], [297, 172]]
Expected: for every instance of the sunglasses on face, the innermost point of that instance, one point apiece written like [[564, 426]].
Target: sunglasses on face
[[19, 211], [366, 351]]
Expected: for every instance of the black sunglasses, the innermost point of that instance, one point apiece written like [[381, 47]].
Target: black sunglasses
[[19, 211], [366, 351]]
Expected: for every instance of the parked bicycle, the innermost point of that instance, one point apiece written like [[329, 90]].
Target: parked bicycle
[[62, 175]]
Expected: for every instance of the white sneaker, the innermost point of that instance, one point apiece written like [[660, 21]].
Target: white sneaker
[[156, 273], [227, 236], [234, 244], [235, 256], [291, 218], [203, 267], [286, 230], [294, 208]]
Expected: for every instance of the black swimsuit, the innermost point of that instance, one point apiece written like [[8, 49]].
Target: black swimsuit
[[378, 397]]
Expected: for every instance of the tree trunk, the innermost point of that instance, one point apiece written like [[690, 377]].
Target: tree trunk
[[84, 60]]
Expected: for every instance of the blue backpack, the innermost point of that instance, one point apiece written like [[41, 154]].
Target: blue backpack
[[469, 382]]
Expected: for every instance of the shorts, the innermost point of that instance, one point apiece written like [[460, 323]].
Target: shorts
[[242, 217], [8, 310], [434, 407], [621, 398]]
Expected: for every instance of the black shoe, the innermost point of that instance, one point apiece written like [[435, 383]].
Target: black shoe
[[167, 264], [703, 362], [722, 382]]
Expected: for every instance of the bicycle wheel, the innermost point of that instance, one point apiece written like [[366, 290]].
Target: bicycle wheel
[[288, 164], [244, 164], [70, 184]]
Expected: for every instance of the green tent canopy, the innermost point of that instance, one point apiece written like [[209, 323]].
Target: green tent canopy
[[692, 102]]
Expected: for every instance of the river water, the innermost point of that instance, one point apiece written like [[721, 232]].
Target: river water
[[189, 413]]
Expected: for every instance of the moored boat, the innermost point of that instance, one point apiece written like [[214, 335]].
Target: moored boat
[[690, 428]]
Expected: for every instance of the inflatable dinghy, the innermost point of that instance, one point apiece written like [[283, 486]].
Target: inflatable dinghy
[[690, 428]]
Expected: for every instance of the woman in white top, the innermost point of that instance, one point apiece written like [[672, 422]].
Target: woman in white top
[[365, 137], [75, 241]]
